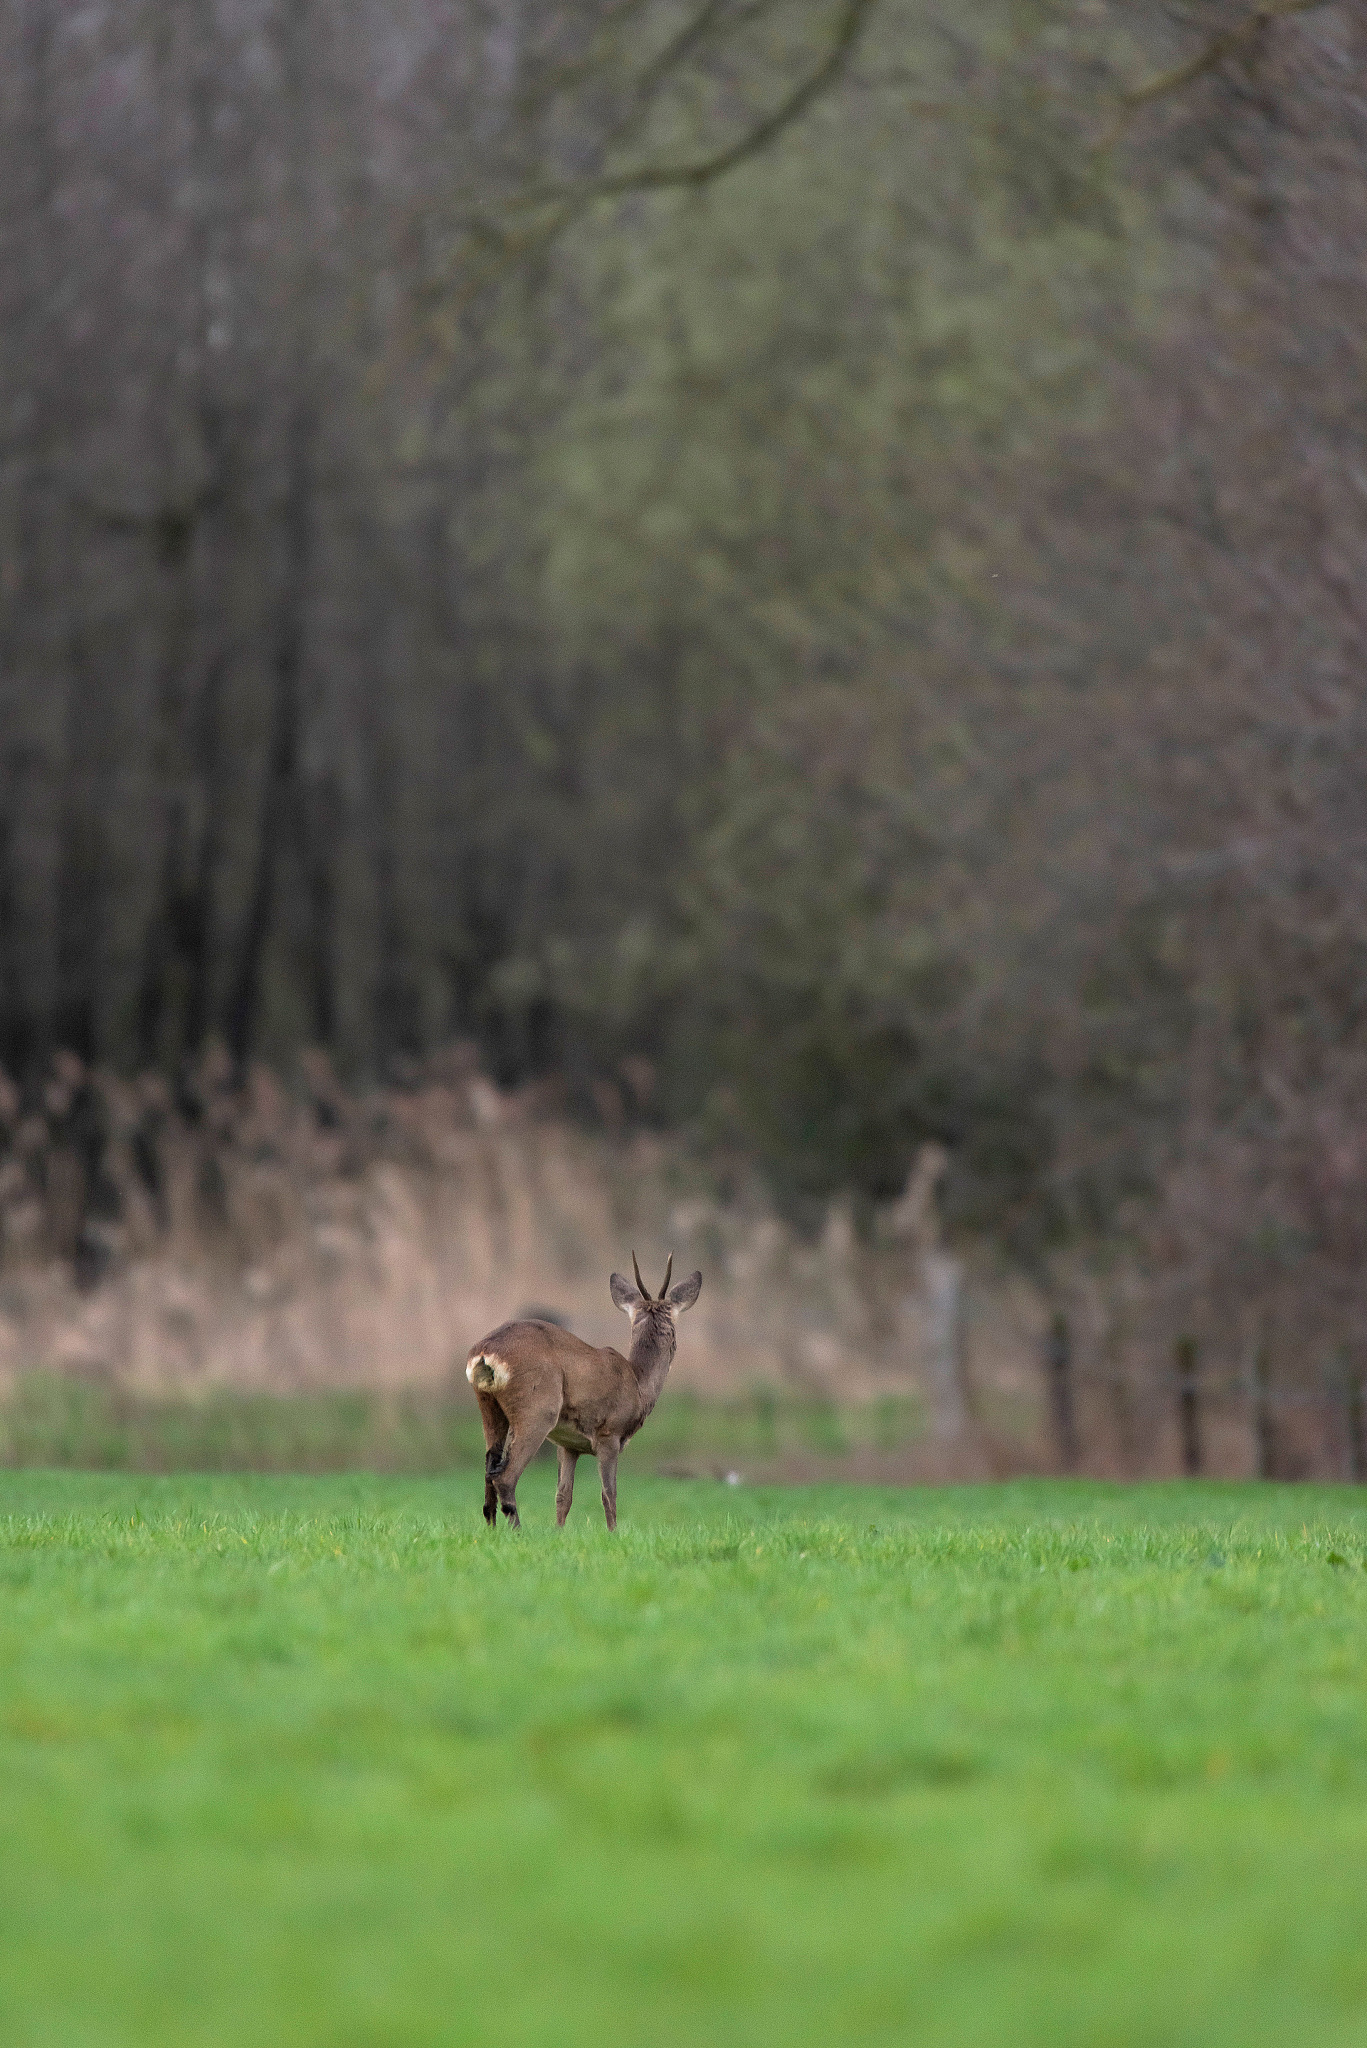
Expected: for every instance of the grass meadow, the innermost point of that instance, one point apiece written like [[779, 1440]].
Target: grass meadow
[[322, 1761]]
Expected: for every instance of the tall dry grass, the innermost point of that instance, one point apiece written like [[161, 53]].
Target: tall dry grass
[[259, 1239], [226, 1240]]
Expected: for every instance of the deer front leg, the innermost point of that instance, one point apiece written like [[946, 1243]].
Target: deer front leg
[[564, 1492], [607, 1450]]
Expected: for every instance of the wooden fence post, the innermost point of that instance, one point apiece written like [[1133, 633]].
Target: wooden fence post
[[1058, 1355], [1264, 1429], [1355, 1421], [1188, 1409]]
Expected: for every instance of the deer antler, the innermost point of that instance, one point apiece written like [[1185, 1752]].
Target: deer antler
[[641, 1287], [668, 1270]]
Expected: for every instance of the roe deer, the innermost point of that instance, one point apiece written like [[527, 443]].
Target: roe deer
[[533, 1380]]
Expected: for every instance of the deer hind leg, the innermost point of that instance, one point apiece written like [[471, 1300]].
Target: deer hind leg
[[607, 1473], [564, 1492], [525, 1437], [495, 1441]]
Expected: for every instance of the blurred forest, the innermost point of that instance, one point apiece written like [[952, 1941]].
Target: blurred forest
[[794, 571]]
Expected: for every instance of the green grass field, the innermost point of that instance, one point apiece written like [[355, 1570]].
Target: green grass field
[[323, 1761]]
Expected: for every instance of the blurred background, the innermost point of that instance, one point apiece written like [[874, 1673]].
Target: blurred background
[[732, 626]]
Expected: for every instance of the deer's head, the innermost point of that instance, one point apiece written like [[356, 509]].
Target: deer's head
[[663, 1309]]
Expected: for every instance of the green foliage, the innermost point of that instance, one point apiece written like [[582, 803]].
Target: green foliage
[[817, 970], [457, 644], [764, 485], [789, 374], [323, 1760], [826, 984]]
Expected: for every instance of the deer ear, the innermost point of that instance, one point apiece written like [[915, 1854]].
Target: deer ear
[[623, 1293], [686, 1293]]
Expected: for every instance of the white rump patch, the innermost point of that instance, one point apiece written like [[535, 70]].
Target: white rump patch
[[487, 1373]]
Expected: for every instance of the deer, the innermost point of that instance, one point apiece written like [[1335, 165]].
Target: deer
[[535, 1380]]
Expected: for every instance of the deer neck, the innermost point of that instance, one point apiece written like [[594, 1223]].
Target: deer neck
[[650, 1357]]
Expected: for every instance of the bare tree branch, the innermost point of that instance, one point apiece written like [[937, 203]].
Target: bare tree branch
[[705, 170], [1208, 58], [560, 205]]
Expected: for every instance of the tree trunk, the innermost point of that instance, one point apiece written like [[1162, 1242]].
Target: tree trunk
[[1355, 1420], [1264, 1428], [281, 795], [1059, 1363], [283, 825], [1188, 1407]]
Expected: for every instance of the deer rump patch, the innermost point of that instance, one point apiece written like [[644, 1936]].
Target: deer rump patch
[[486, 1373]]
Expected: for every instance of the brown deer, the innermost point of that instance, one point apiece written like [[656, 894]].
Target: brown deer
[[533, 1380]]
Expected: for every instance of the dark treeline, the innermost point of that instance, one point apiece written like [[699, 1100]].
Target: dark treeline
[[812, 558]]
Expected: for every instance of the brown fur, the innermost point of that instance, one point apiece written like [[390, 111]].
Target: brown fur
[[534, 1380]]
